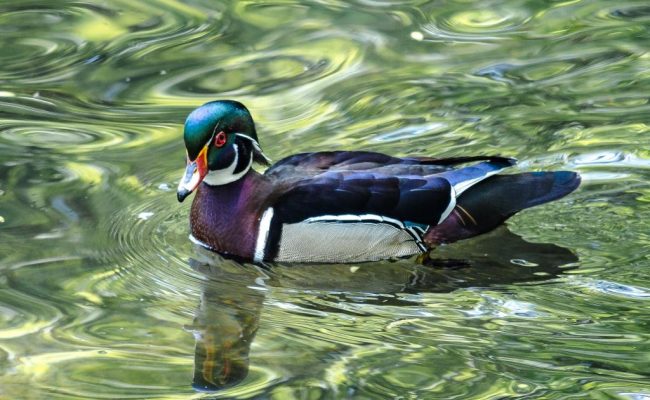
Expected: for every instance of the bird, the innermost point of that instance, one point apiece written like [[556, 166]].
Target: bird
[[341, 206]]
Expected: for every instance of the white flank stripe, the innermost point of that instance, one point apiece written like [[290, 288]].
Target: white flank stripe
[[374, 218], [355, 218], [450, 206], [263, 234], [464, 185]]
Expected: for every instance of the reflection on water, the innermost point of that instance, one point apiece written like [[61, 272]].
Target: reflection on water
[[225, 323], [232, 297], [96, 292]]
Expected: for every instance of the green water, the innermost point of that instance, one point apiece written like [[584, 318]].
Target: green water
[[103, 296]]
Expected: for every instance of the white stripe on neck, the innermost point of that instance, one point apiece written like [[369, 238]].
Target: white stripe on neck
[[227, 175]]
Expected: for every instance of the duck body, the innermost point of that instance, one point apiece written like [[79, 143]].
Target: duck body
[[343, 206]]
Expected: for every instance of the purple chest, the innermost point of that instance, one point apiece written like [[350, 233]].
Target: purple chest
[[225, 219]]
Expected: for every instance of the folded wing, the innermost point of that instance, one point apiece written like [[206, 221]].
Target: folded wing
[[388, 202]]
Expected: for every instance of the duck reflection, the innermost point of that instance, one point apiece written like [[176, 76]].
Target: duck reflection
[[233, 293], [226, 321]]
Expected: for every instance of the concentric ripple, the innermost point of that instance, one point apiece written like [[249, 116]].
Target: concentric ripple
[[103, 296], [481, 25], [151, 237]]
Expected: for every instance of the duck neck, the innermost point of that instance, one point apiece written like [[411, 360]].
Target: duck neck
[[235, 187], [224, 217]]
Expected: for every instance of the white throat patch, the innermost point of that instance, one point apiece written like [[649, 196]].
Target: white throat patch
[[227, 175]]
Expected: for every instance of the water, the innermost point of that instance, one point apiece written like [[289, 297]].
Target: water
[[103, 296]]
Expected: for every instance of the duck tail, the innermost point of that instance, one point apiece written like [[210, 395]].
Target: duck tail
[[489, 203]]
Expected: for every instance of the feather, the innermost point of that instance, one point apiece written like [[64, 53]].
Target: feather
[[486, 205]]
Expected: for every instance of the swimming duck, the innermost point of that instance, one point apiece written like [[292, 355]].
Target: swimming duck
[[341, 206]]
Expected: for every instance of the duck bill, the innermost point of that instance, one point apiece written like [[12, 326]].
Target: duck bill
[[194, 173]]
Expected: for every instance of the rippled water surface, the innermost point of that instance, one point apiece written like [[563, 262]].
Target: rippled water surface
[[103, 296]]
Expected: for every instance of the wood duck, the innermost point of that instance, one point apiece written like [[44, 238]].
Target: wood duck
[[341, 206]]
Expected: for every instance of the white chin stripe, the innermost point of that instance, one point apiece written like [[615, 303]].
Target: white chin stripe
[[227, 175]]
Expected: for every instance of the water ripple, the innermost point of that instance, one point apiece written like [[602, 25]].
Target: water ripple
[[147, 234], [614, 288], [481, 26], [103, 296]]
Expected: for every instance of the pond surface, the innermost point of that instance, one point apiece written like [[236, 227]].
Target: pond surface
[[103, 296]]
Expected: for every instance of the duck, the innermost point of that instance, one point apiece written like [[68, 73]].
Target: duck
[[341, 206]]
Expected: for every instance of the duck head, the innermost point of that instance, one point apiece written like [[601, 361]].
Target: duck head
[[221, 145]]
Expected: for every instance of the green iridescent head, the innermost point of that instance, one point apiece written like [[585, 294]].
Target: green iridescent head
[[221, 144]]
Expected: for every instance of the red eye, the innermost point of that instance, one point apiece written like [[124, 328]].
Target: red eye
[[220, 139]]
